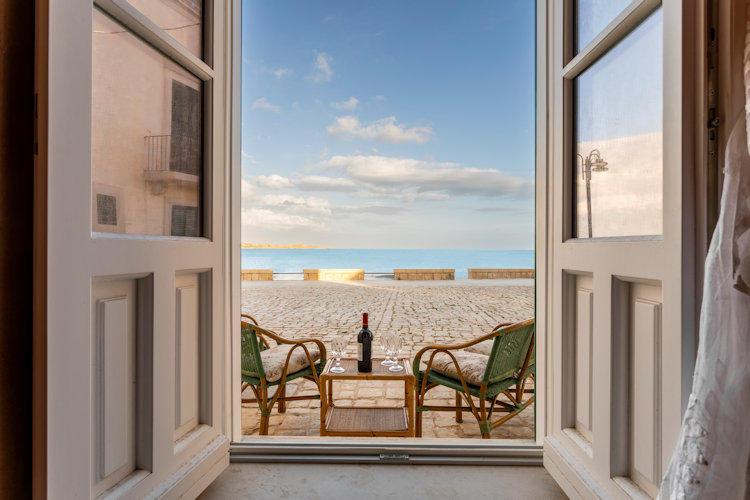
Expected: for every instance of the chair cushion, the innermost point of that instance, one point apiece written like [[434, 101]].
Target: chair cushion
[[274, 358], [482, 347], [473, 365]]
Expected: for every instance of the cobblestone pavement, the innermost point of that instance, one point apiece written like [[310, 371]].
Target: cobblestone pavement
[[424, 312]]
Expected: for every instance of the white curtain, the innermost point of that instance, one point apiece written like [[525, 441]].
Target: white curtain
[[712, 458]]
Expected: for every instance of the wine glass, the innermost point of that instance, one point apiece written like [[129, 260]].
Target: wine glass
[[338, 346], [384, 344], [395, 349]]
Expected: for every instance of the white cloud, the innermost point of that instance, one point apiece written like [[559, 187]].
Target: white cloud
[[399, 175], [263, 103], [322, 183], [383, 130], [323, 153], [282, 72], [274, 181], [279, 212], [349, 104], [305, 183], [379, 98], [322, 71]]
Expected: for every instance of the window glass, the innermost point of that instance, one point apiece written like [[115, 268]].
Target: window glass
[[619, 138], [592, 16], [146, 135], [182, 19]]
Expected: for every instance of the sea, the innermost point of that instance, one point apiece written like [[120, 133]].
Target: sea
[[379, 264]]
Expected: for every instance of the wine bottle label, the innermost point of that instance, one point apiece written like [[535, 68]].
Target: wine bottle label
[[359, 351]]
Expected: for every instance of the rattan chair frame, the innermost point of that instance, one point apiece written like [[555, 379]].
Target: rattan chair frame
[[266, 403], [481, 412]]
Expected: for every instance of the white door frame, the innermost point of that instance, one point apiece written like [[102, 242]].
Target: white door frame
[[72, 260], [589, 469]]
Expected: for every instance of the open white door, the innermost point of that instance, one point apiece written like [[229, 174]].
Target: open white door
[[616, 164], [137, 112]]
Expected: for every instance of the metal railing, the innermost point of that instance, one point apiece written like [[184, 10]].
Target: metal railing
[[174, 153]]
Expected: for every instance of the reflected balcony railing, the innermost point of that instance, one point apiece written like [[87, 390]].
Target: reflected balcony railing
[[173, 153]]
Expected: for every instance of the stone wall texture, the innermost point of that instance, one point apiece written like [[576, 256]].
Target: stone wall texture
[[491, 274], [424, 274], [257, 275], [333, 274]]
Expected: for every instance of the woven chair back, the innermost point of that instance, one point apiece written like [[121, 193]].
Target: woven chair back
[[252, 366], [509, 352]]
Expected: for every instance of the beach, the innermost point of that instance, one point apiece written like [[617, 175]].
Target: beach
[[423, 312]]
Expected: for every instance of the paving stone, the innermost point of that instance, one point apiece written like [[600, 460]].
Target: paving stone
[[423, 313]]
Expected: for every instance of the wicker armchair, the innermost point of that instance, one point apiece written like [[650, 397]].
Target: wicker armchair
[[265, 366], [504, 369]]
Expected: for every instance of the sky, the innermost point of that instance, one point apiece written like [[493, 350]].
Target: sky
[[388, 124]]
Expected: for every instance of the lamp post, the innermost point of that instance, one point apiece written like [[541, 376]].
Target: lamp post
[[592, 163]]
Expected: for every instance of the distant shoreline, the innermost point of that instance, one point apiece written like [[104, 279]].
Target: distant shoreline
[[273, 247]]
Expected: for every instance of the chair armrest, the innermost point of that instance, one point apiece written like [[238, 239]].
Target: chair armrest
[[281, 340], [252, 320], [444, 348]]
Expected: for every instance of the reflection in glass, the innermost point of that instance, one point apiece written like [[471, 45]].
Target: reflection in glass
[[618, 126], [592, 16], [182, 19], [146, 138]]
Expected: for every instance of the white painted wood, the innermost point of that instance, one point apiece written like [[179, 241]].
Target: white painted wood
[[186, 352], [116, 374], [666, 261], [645, 461], [584, 336], [114, 396], [77, 259]]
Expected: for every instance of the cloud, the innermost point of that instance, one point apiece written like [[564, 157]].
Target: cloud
[[349, 104], [379, 98], [306, 183], [322, 71], [397, 176], [279, 212], [504, 210], [322, 183], [263, 103], [372, 209], [274, 181], [383, 130], [282, 72]]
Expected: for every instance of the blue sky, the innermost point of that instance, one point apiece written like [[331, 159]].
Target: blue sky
[[388, 124]]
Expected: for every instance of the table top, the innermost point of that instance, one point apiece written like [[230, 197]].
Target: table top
[[379, 372]]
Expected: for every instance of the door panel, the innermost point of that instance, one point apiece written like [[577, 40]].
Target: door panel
[[137, 324], [614, 242]]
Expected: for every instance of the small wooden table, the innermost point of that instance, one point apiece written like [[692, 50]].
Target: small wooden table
[[366, 421]]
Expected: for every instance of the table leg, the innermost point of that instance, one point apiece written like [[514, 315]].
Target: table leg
[[323, 407], [409, 396]]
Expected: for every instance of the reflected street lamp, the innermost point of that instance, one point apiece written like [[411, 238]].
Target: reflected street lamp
[[592, 163]]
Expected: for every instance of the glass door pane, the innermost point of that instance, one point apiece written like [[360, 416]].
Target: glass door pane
[[618, 133], [182, 19], [147, 128], [592, 16]]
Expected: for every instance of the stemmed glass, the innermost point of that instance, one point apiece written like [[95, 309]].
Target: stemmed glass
[[384, 344], [338, 346], [395, 345]]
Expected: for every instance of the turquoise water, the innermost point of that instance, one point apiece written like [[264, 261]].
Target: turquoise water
[[383, 261]]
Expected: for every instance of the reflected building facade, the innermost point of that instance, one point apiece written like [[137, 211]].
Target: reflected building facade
[[147, 126]]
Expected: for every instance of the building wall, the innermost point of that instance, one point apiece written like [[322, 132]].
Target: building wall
[[16, 244], [132, 105]]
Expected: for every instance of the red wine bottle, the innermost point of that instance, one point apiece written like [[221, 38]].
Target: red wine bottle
[[364, 345]]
